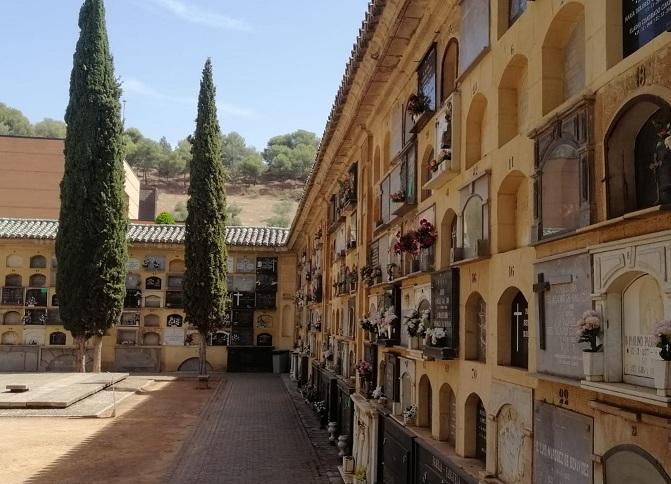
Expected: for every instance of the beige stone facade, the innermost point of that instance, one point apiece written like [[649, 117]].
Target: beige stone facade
[[152, 334], [32, 170], [549, 205]]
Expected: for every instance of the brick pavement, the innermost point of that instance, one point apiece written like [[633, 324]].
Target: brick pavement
[[251, 431]]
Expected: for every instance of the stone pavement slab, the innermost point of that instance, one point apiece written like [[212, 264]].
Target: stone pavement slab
[[249, 432], [53, 390]]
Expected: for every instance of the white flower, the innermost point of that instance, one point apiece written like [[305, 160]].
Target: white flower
[[377, 393]]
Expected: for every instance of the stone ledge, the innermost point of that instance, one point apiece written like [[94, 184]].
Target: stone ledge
[[625, 390]]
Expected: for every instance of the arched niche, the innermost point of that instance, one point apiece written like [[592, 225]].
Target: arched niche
[[14, 261], [635, 175], [475, 129], [405, 390], [476, 328], [473, 226], [563, 56], [625, 464], [193, 364], [9, 338], [512, 212], [448, 238], [38, 262], [447, 404], [425, 173], [475, 428], [152, 301], [11, 317], [57, 338], [424, 402], [13, 280], [151, 339], [37, 280], [512, 329], [633, 303], [153, 283], [513, 99], [449, 69], [152, 321]]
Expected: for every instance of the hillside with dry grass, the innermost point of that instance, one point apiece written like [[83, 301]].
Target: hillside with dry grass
[[269, 203]]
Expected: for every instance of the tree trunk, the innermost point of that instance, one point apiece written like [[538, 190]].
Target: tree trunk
[[97, 353], [80, 354], [202, 370]]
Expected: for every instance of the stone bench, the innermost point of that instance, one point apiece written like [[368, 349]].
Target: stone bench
[[17, 388]]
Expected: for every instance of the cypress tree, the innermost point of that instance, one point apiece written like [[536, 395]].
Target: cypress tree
[[205, 240], [91, 241]]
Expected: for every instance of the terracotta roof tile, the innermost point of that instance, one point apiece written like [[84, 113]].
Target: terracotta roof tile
[[12, 228]]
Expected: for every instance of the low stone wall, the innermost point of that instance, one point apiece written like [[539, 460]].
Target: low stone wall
[[19, 358], [138, 359]]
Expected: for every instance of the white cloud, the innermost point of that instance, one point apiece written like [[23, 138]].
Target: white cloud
[[137, 87], [196, 15]]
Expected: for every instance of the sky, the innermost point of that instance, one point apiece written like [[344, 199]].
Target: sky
[[277, 63]]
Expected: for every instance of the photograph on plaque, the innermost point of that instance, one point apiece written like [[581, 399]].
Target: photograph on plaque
[[562, 445], [562, 290]]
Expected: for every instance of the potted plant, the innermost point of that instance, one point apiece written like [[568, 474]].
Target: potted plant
[[662, 367], [418, 104], [409, 415], [360, 475], [589, 327]]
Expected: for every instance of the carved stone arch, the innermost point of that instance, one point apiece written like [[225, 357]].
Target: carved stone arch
[[630, 463]]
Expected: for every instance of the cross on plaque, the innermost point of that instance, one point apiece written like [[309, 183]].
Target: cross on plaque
[[541, 287], [237, 296], [517, 315]]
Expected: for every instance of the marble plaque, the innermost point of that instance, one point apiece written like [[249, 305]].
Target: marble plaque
[[474, 31], [642, 21], [173, 336], [562, 446], [568, 297]]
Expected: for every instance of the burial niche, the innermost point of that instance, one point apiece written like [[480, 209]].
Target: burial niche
[[447, 429], [637, 157], [476, 328], [57, 338], [625, 464], [38, 262]]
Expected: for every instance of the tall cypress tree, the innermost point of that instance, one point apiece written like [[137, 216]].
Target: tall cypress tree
[[91, 243], [205, 242]]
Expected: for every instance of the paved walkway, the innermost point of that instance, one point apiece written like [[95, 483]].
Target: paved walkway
[[249, 432]]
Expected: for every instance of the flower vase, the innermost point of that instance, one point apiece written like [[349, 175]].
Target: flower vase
[[413, 343], [592, 362], [662, 370], [389, 330], [342, 445], [331, 428]]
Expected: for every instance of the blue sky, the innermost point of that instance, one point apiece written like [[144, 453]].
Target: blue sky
[[277, 63]]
